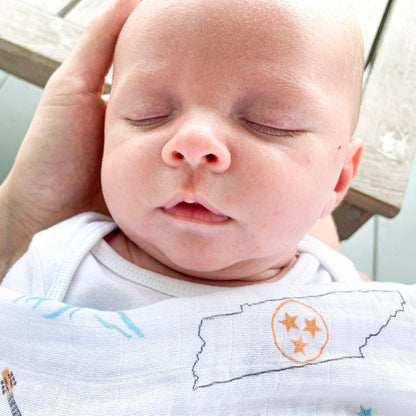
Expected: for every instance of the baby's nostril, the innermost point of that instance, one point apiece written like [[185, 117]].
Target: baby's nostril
[[177, 155], [211, 158]]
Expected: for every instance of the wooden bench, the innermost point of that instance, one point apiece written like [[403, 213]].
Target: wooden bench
[[37, 35]]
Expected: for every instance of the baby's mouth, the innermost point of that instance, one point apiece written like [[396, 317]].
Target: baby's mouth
[[196, 212]]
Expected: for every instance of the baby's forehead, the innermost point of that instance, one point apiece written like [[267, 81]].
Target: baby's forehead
[[243, 21], [324, 12], [314, 36], [319, 26]]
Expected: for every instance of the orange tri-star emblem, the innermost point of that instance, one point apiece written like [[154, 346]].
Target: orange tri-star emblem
[[300, 332], [289, 322]]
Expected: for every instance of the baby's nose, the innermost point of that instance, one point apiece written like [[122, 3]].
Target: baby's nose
[[197, 146]]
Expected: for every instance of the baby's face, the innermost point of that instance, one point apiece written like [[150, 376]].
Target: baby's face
[[227, 133]]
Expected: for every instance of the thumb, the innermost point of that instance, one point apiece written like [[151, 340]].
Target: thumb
[[91, 58]]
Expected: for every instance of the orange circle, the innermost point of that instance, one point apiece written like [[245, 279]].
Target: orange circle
[[277, 343]]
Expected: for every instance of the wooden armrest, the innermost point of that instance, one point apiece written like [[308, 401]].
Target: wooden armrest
[[33, 43], [35, 38]]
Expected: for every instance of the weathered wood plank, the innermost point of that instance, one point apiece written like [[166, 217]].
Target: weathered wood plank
[[349, 218], [368, 14], [49, 6], [33, 43], [388, 122], [85, 10], [32, 49]]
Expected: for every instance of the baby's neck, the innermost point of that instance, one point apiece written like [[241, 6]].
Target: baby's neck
[[127, 249]]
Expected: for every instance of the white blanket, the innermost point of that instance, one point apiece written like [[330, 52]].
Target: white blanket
[[314, 350]]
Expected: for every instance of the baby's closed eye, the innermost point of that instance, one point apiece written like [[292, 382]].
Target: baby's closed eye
[[148, 121], [269, 130]]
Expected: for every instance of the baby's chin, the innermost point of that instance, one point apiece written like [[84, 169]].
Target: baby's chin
[[211, 268], [151, 257], [238, 274]]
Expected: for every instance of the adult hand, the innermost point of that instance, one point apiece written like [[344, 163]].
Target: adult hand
[[57, 170]]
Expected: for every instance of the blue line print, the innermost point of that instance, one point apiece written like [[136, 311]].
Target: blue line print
[[59, 312], [111, 326], [19, 298], [30, 298], [130, 324], [75, 311], [39, 301]]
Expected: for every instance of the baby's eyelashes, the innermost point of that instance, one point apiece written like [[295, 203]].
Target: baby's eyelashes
[[156, 121], [149, 121], [268, 130]]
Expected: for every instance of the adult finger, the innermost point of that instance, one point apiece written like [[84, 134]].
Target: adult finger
[[91, 58], [106, 98], [364, 276]]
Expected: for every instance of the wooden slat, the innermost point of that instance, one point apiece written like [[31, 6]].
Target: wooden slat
[[388, 121], [368, 14], [49, 6], [349, 218], [33, 43], [85, 10]]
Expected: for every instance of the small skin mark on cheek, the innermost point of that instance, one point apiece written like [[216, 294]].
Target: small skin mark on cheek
[[340, 147]]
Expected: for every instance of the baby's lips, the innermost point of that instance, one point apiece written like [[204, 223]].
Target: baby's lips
[[194, 207], [196, 212]]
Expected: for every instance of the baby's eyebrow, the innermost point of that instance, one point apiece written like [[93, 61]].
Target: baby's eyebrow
[[139, 74], [270, 90], [292, 93]]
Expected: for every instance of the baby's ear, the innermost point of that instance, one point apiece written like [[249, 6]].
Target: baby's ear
[[348, 172]]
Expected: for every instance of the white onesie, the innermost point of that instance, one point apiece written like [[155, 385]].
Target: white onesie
[[72, 263]]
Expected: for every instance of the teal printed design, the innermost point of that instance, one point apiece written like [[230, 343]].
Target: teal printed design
[[29, 298], [20, 298], [59, 312], [52, 315], [74, 312], [62, 310], [126, 320], [129, 323], [364, 412], [109, 325]]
